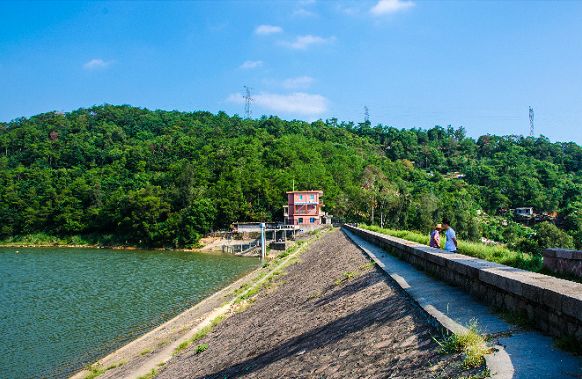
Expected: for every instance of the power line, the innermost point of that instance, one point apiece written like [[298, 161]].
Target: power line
[[531, 122], [248, 100]]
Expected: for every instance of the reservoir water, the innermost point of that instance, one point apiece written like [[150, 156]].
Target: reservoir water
[[61, 309]]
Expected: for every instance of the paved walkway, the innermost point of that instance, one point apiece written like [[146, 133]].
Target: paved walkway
[[521, 353]]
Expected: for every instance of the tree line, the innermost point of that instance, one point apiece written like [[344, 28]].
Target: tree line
[[165, 178]]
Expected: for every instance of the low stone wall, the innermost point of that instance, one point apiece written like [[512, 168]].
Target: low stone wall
[[563, 261], [553, 305]]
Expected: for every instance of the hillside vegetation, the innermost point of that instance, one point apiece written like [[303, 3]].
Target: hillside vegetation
[[157, 178]]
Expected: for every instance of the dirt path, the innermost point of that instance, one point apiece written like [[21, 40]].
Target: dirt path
[[333, 315]]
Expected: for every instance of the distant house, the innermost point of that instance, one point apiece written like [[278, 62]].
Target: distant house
[[303, 208], [455, 175], [524, 212]]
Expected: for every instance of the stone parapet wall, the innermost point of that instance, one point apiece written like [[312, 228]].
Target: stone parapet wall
[[563, 261], [553, 305]]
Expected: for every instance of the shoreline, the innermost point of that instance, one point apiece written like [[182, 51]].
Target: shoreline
[[95, 246], [154, 348], [158, 339]]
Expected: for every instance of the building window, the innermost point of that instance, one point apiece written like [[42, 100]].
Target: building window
[[312, 220], [300, 220], [300, 197], [312, 197]]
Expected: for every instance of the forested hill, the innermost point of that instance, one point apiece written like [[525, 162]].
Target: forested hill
[[166, 178]]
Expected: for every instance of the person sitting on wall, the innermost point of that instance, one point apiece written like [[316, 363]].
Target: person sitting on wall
[[435, 237], [451, 237]]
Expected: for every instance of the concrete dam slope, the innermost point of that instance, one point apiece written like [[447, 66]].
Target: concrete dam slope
[[333, 315]]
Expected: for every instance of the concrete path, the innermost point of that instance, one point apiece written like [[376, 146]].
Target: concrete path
[[520, 353]]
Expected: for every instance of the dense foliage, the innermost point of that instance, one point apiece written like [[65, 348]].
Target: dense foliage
[[162, 178]]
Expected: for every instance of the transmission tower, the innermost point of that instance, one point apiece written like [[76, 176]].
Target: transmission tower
[[531, 122], [366, 114], [248, 100]]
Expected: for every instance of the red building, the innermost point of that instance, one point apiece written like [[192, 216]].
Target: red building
[[303, 208]]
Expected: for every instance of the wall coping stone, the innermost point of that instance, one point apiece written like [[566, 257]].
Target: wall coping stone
[[563, 253], [560, 295]]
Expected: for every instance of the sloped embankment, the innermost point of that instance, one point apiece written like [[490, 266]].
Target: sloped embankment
[[332, 315]]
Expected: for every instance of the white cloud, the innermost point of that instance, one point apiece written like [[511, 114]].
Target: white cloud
[[96, 64], [303, 42], [268, 29], [298, 82], [249, 65], [302, 12], [390, 6], [299, 103]]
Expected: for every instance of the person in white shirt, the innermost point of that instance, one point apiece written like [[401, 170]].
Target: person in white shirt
[[451, 237]]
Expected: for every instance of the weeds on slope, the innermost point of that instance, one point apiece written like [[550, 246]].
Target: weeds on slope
[[471, 343], [349, 275], [96, 370], [150, 375], [197, 336]]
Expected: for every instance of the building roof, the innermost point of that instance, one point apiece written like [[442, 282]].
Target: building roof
[[308, 191]]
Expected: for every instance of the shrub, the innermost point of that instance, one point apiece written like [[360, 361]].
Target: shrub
[[470, 343], [201, 348]]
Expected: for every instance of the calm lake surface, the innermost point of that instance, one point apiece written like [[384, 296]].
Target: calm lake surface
[[61, 309]]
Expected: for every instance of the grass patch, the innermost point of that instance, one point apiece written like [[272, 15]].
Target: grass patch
[[145, 352], [241, 289], [116, 365], [199, 334], [150, 375], [480, 375], [368, 266], [96, 370], [349, 275], [162, 343], [243, 306], [346, 276], [217, 320], [182, 346], [201, 348], [247, 295], [497, 254], [470, 343]]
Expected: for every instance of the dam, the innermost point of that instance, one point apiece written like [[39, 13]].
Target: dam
[[339, 305]]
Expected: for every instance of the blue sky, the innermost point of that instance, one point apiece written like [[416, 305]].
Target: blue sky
[[412, 63]]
